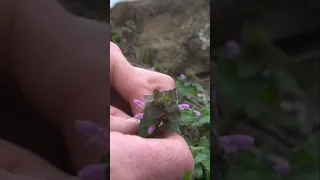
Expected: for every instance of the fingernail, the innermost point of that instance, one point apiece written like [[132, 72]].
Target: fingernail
[[134, 120]]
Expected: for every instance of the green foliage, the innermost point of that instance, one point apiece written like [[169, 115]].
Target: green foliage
[[252, 84], [199, 144], [161, 111]]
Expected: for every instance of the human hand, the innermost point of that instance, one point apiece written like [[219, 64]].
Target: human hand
[[132, 157], [133, 82], [165, 157]]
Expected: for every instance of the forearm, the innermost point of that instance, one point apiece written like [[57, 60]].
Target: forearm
[[61, 63]]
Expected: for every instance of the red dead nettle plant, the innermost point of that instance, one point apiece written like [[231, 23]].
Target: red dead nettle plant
[[160, 113]]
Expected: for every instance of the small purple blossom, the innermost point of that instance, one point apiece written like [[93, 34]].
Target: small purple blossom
[[95, 132], [151, 129], [139, 103], [152, 69], [182, 77], [139, 116], [197, 113], [235, 143], [283, 168], [183, 106], [93, 171], [233, 49]]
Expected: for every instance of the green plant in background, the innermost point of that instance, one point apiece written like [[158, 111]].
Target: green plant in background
[[252, 84], [196, 123]]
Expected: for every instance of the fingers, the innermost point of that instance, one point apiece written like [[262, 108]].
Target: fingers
[[125, 126], [153, 80], [122, 75], [132, 82], [123, 123], [15, 159], [149, 158]]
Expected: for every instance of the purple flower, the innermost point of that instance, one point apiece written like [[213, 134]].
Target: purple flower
[[182, 77], [235, 143], [283, 168], [233, 48], [151, 129], [197, 113], [93, 171], [152, 69], [139, 116], [139, 103], [95, 132], [183, 106]]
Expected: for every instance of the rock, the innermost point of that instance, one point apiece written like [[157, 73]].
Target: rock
[[174, 34]]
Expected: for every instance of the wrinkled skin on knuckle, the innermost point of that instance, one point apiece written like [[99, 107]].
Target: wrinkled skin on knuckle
[[168, 159]]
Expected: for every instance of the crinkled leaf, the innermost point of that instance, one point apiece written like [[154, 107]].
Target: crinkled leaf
[[156, 94], [151, 122], [172, 107], [188, 117], [153, 113], [199, 88], [172, 127], [143, 129], [206, 164], [204, 119], [173, 94], [175, 117], [198, 171], [200, 158], [204, 142], [148, 98]]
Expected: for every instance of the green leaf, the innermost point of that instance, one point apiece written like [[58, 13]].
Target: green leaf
[[148, 98], [201, 158], [204, 119], [187, 176], [172, 107], [172, 127], [156, 94], [199, 88], [143, 129], [188, 117], [174, 116], [172, 94], [206, 164], [204, 142], [153, 113], [198, 171]]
